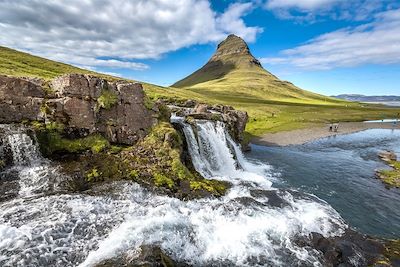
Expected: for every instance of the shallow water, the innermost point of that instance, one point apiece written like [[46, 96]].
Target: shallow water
[[340, 170]]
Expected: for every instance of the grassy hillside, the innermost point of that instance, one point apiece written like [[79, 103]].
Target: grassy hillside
[[16, 63], [292, 110]]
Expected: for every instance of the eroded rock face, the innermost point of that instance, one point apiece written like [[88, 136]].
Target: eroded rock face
[[83, 104], [20, 99]]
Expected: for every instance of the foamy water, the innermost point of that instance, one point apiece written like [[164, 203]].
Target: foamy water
[[254, 224]]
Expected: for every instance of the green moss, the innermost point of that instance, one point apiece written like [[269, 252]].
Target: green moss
[[162, 180], [107, 99], [93, 175], [51, 141], [213, 186], [164, 113], [115, 149], [133, 174], [159, 155]]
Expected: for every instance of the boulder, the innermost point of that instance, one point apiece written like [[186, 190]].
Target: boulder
[[190, 103], [201, 108]]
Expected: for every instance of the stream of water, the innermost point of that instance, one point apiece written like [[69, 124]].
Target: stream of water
[[341, 170], [257, 223]]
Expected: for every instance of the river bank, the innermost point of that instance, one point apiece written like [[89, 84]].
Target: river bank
[[302, 136]]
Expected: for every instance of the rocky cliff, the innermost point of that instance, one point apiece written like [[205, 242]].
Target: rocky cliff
[[83, 104]]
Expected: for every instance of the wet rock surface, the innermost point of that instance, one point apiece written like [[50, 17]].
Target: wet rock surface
[[350, 249], [145, 256]]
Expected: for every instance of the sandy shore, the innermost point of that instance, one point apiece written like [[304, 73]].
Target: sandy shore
[[302, 136]]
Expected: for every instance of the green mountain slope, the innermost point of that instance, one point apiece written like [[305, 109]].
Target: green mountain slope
[[234, 70], [16, 63]]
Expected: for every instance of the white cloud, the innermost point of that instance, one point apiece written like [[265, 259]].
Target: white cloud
[[300, 4], [314, 10], [84, 32], [373, 43]]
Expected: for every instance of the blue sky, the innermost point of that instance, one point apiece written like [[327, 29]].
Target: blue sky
[[326, 46]]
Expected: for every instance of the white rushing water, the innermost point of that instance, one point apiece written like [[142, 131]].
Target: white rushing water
[[33, 170], [253, 225]]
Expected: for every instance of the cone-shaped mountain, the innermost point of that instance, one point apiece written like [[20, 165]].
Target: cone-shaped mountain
[[234, 69]]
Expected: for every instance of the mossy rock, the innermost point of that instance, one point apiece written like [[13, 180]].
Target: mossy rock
[[154, 162], [51, 140]]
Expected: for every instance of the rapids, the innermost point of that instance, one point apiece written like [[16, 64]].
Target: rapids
[[254, 224]]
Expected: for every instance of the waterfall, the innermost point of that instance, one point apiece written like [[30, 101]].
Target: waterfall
[[254, 224], [32, 169], [215, 155]]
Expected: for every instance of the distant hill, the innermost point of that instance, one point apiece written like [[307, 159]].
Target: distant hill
[[233, 70], [365, 98]]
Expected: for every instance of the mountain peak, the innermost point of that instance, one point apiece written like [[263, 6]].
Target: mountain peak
[[233, 54], [233, 47]]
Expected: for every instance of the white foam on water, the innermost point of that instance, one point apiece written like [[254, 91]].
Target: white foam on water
[[238, 229], [34, 171]]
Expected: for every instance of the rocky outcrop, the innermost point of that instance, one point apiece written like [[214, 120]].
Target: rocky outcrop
[[83, 104], [146, 255], [20, 99], [235, 120]]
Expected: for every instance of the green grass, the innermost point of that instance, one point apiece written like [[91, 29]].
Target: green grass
[[391, 177], [16, 63], [245, 87]]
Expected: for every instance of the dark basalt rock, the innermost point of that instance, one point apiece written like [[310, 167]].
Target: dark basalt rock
[[350, 249], [146, 256]]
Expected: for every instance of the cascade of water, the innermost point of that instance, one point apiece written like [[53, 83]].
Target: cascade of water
[[33, 170], [215, 155]]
